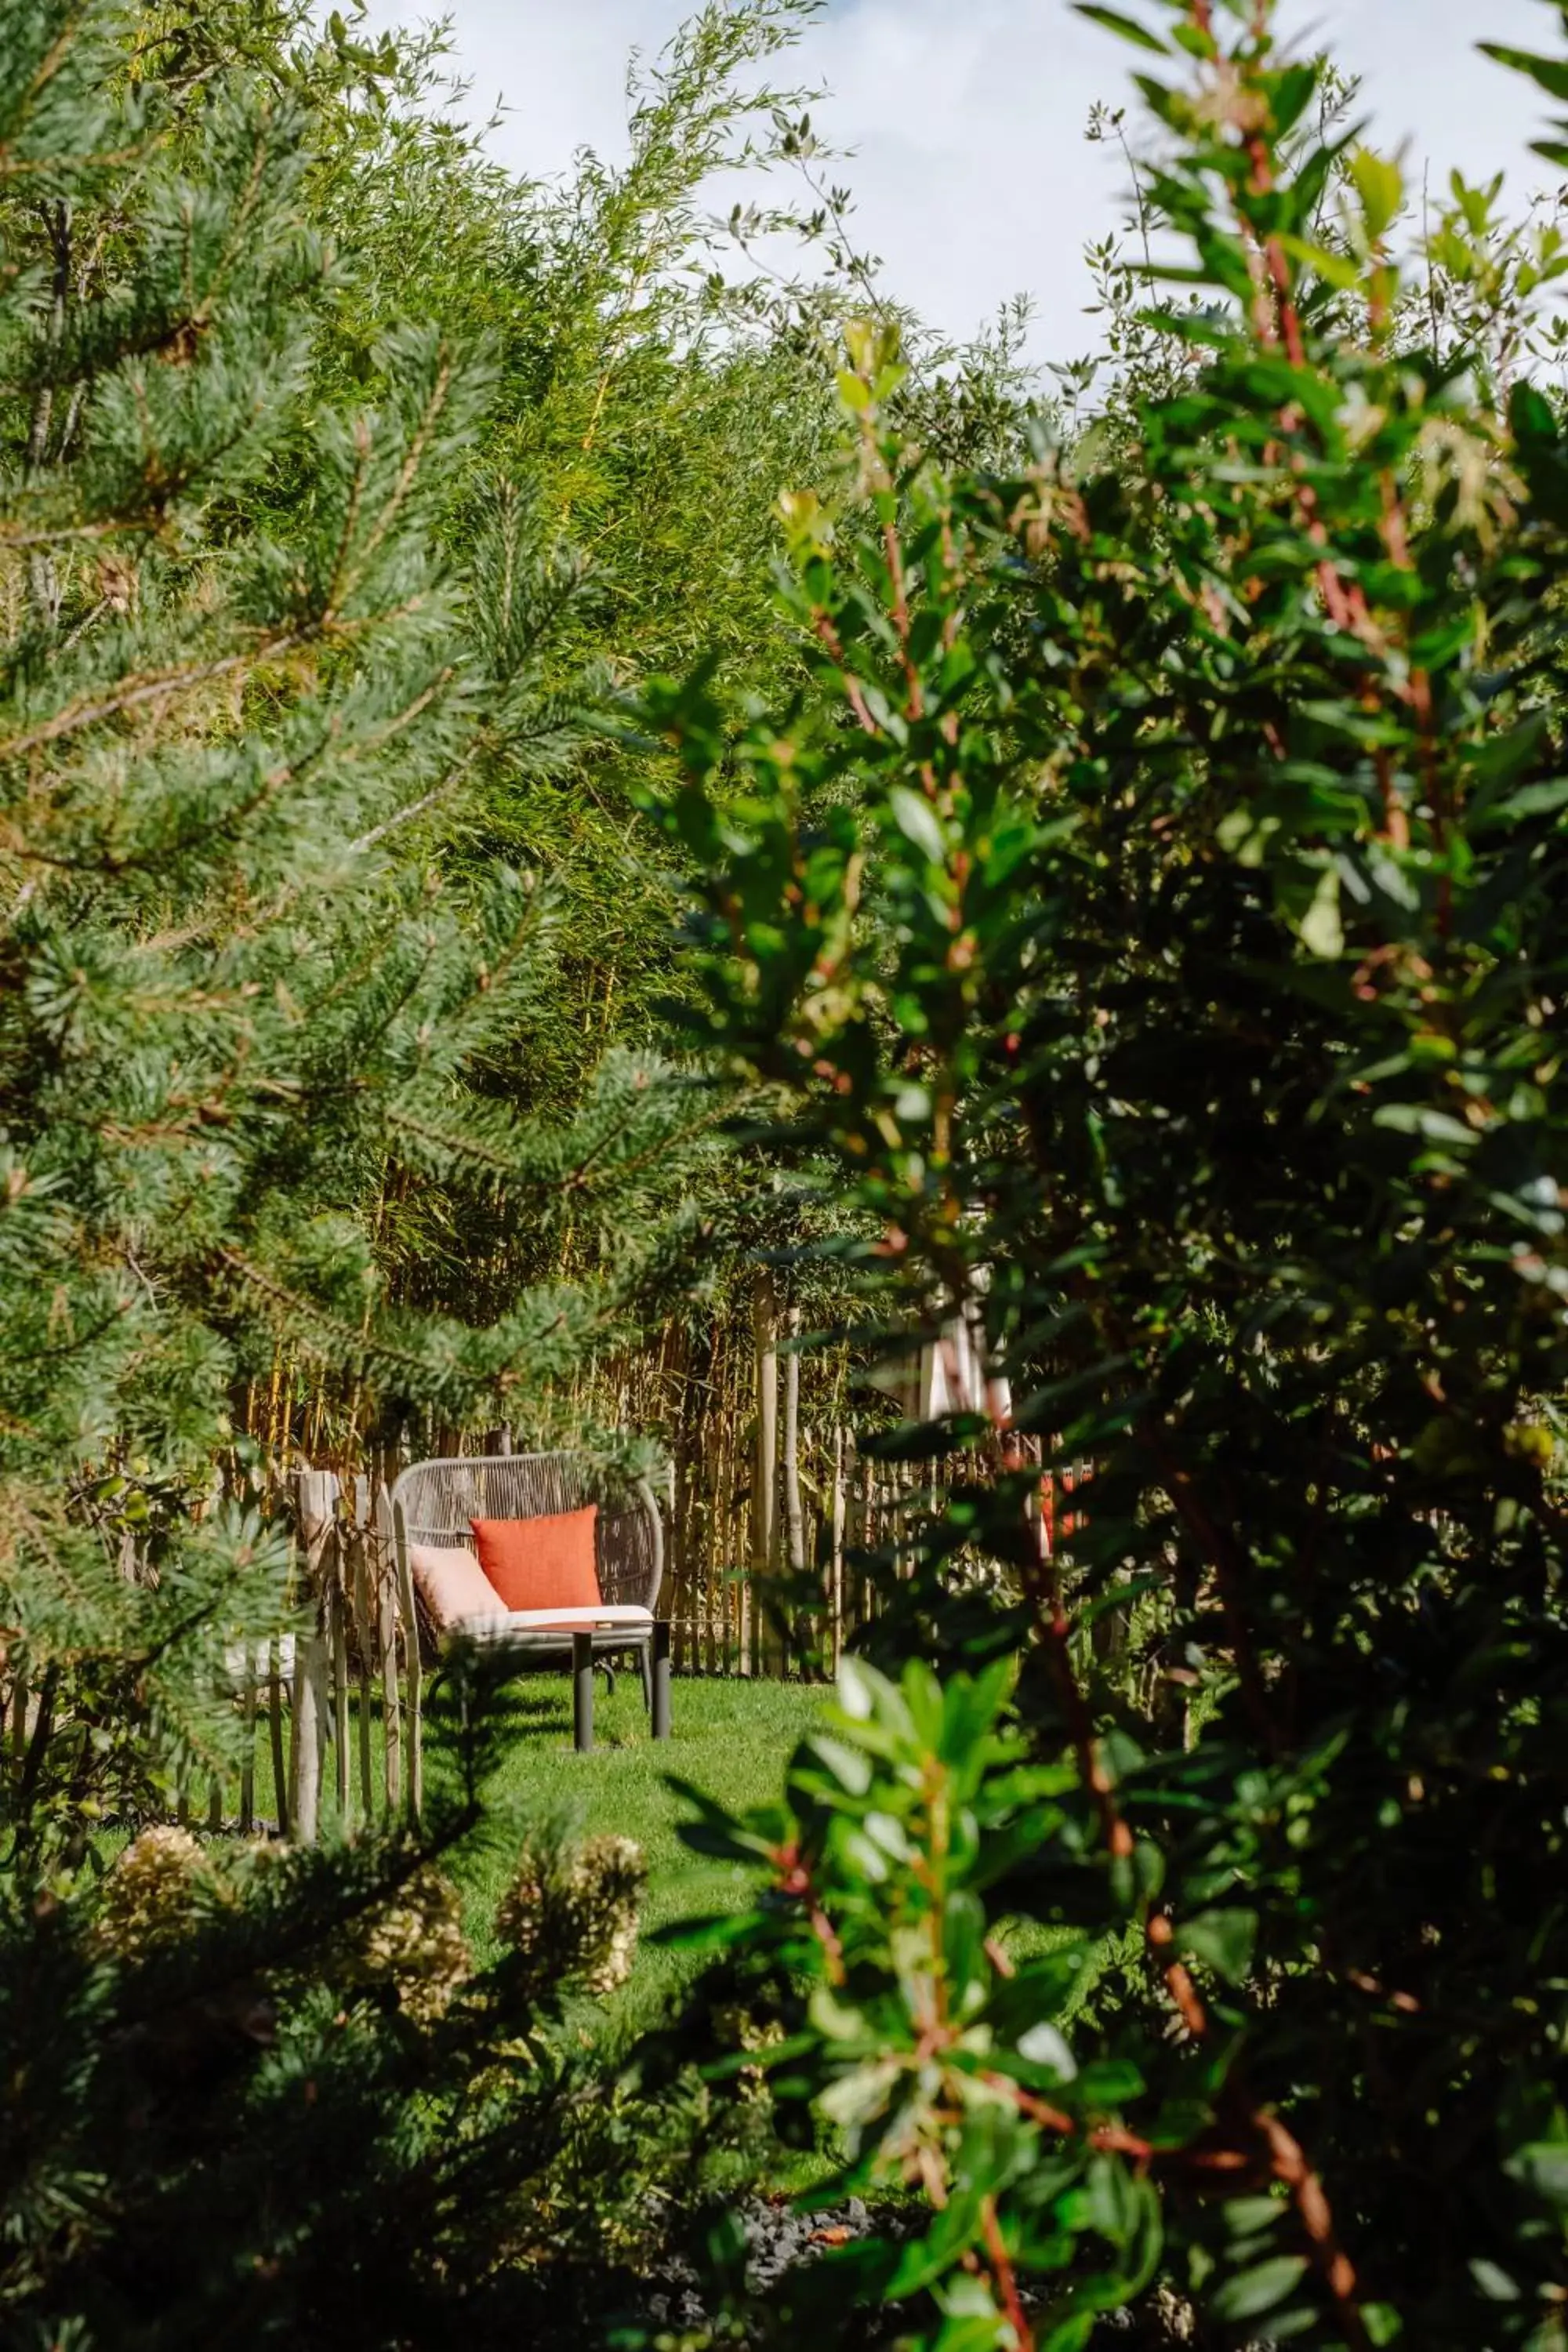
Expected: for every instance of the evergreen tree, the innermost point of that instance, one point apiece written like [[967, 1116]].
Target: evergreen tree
[[266, 2097], [238, 986]]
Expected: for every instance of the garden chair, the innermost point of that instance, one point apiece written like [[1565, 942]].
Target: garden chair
[[433, 1504]]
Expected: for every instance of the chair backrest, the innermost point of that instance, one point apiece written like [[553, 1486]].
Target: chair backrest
[[433, 1503]]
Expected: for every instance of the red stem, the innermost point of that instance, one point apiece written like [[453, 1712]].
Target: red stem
[[1002, 2269]]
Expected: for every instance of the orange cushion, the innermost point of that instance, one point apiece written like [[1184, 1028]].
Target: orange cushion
[[541, 1563]]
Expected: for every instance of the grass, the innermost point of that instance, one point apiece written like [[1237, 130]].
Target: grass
[[731, 1739]]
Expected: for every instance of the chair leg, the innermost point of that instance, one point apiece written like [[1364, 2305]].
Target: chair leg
[[607, 1670], [644, 1667], [583, 1691], [661, 1679]]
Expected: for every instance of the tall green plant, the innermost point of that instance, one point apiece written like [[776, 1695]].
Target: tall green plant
[[1155, 908], [245, 2095], [646, 403], [237, 988]]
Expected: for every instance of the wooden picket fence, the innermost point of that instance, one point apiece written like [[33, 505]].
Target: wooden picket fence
[[347, 1691], [775, 1485], [750, 1591]]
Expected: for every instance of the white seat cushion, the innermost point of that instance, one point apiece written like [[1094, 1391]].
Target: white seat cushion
[[515, 1624]]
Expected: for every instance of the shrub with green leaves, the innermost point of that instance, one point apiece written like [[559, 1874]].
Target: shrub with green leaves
[[929, 2050], [1155, 917], [268, 2094]]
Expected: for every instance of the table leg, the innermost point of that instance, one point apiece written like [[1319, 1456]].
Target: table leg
[[583, 1691], [661, 1679]]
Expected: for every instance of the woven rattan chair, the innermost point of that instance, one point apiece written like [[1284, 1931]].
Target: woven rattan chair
[[433, 1502]]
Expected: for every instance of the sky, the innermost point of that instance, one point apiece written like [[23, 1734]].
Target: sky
[[972, 176]]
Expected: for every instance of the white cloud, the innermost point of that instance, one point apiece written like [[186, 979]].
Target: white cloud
[[558, 68], [972, 178]]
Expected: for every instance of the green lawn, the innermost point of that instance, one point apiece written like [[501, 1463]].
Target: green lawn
[[731, 1739]]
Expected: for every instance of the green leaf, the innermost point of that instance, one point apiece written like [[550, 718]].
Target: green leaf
[[1543, 2166], [1380, 184], [709, 1934], [1531, 418], [1109, 2082], [1550, 74], [1256, 2291], [1492, 2281], [1044, 2044], [860, 1688], [1126, 27], [1322, 931], [1293, 92], [968, 2332], [1334, 268], [1224, 1940], [1534, 800], [1436, 1126], [1246, 2216], [917, 821], [851, 1767]]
